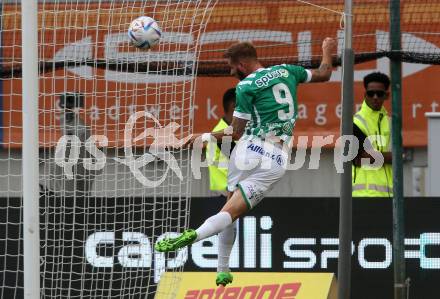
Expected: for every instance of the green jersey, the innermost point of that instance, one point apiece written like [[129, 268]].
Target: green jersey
[[267, 98]]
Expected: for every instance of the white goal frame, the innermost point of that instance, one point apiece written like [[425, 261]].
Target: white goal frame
[[30, 91]]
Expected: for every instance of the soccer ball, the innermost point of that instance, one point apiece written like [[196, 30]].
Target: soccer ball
[[144, 32]]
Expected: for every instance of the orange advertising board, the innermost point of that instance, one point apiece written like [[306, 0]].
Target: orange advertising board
[[195, 285], [112, 95]]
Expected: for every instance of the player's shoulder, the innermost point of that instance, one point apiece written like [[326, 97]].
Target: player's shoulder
[[292, 66], [246, 85]]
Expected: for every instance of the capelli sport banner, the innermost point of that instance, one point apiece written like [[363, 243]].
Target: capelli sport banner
[[104, 247], [97, 32]]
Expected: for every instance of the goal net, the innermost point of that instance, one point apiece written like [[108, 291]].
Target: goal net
[[106, 197]]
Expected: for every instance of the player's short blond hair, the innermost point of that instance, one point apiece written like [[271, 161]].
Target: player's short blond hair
[[241, 51]]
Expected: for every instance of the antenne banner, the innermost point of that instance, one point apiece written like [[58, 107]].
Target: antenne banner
[[112, 95], [195, 285]]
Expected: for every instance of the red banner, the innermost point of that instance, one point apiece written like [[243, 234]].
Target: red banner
[[111, 96]]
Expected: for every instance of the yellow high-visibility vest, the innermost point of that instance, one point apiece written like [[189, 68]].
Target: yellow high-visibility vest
[[369, 181], [218, 175]]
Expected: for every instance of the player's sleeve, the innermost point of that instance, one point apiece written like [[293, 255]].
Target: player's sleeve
[[243, 102], [301, 74]]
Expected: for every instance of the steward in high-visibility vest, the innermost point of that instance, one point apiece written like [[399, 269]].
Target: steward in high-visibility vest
[[218, 170], [372, 123], [218, 166]]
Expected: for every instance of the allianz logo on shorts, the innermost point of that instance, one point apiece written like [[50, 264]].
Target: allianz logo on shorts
[[278, 158], [264, 80]]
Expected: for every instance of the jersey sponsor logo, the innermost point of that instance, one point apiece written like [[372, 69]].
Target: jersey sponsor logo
[[264, 80]]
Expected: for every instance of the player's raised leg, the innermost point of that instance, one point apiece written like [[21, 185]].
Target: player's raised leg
[[233, 208]]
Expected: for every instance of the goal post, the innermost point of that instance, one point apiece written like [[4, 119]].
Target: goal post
[[31, 223], [345, 202]]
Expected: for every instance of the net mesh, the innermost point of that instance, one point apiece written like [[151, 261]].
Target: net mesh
[[106, 194], [285, 31], [99, 224], [292, 31]]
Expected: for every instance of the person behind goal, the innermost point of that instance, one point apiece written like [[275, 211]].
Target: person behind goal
[[262, 125]]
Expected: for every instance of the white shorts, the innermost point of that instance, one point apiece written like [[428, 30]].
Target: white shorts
[[254, 166]]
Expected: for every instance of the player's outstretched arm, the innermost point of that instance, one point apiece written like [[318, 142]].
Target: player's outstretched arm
[[235, 130], [323, 73]]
